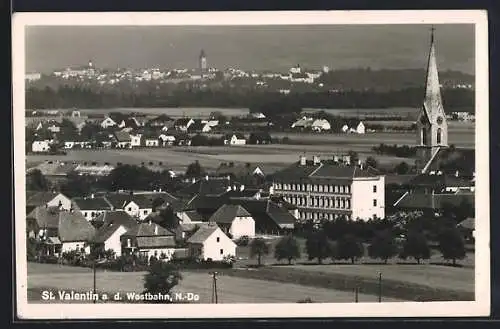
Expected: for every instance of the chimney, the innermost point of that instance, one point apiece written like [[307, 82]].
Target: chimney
[[302, 159], [316, 160]]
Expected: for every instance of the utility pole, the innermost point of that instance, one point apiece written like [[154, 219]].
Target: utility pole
[[94, 270], [356, 293], [380, 287], [214, 288]]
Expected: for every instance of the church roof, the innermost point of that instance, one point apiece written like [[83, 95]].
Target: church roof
[[432, 101]]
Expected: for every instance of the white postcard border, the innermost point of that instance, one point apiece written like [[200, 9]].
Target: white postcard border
[[479, 307]]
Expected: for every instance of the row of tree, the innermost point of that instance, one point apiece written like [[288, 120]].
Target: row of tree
[[82, 97]]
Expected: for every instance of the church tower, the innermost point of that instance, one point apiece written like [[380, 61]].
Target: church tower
[[203, 63], [432, 128]]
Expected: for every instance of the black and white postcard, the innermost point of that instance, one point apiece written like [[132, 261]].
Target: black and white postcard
[[251, 164]]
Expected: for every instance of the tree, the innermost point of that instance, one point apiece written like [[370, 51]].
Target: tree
[[318, 246], [76, 185], [354, 157], [36, 181], [371, 162], [258, 247], [195, 170], [452, 245], [402, 168], [169, 218], [287, 248], [383, 246], [349, 247], [161, 278], [415, 246]]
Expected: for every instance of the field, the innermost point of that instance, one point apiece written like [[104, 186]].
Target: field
[[231, 289], [273, 156]]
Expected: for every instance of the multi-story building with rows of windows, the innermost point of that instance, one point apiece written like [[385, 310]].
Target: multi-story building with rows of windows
[[326, 189]]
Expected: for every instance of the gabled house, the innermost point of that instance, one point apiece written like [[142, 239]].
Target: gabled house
[[151, 140], [234, 220], [210, 243], [114, 217], [234, 139], [42, 222], [49, 199], [111, 226], [161, 121], [90, 207], [108, 123], [239, 170], [183, 124], [135, 139], [303, 123], [182, 139], [166, 139], [149, 239], [74, 232], [40, 146], [138, 206], [123, 139], [320, 125]]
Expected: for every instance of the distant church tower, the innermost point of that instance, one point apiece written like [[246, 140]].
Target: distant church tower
[[203, 63], [432, 128]]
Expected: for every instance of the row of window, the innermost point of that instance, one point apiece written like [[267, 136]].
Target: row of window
[[97, 213], [321, 202], [319, 215], [313, 188]]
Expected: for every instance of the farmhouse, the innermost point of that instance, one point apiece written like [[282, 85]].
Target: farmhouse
[[139, 206], [49, 199], [234, 220], [320, 125], [90, 207], [210, 243], [327, 189], [75, 232], [123, 139], [135, 140], [166, 139], [151, 140], [183, 124], [40, 146], [108, 238], [234, 139], [108, 123], [149, 239]]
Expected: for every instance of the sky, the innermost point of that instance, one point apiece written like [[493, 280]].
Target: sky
[[275, 48]]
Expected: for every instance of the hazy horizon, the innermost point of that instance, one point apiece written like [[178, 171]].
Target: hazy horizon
[[274, 48]]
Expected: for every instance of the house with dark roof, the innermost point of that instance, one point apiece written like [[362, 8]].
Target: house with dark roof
[[183, 124], [112, 225], [210, 243], [234, 220], [123, 139], [74, 232], [208, 185], [46, 198], [149, 239], [139, 205], [91, 207], [161, 121], [328, 188]]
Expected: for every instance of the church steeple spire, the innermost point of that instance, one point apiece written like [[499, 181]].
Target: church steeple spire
[[433, 104]]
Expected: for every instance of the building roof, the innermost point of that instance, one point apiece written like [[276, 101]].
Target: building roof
[[324, 170], [433, 201], [468, 223], [148, 229], [155, 241], [74, 227], [237, 170], [182, 122], [116, 217], [450, 160], [443, 180], [105, 232], [46, 217], [95, 203], [202, 234], [194, 216], [122, 136], [228, 212], [210, 186], [39, 198]]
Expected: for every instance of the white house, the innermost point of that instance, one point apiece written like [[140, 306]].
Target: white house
[[234, 220], [183, 124], [74, 232], [304, 122], [345, 128], [167, 139], [69, 144], [40, 146], [109, 238], [235, 139], [360, 128], [49, 199], [258, 115], [90, 207], [210, 242], [151, 142], [135, 140], [320, 125], [206, 128], [108, 122]]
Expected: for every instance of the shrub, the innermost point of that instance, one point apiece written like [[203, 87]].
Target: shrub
[[243, 241]]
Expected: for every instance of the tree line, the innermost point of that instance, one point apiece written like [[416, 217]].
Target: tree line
[[85, 97]]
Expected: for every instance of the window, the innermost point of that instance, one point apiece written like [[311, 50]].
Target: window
[[145, 212], [129, 208], [85, 214], [222, 251], [374, 188], [374, 202], [218, 240], [438, 137]]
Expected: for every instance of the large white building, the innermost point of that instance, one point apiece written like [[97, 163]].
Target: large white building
[[327, 189]]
